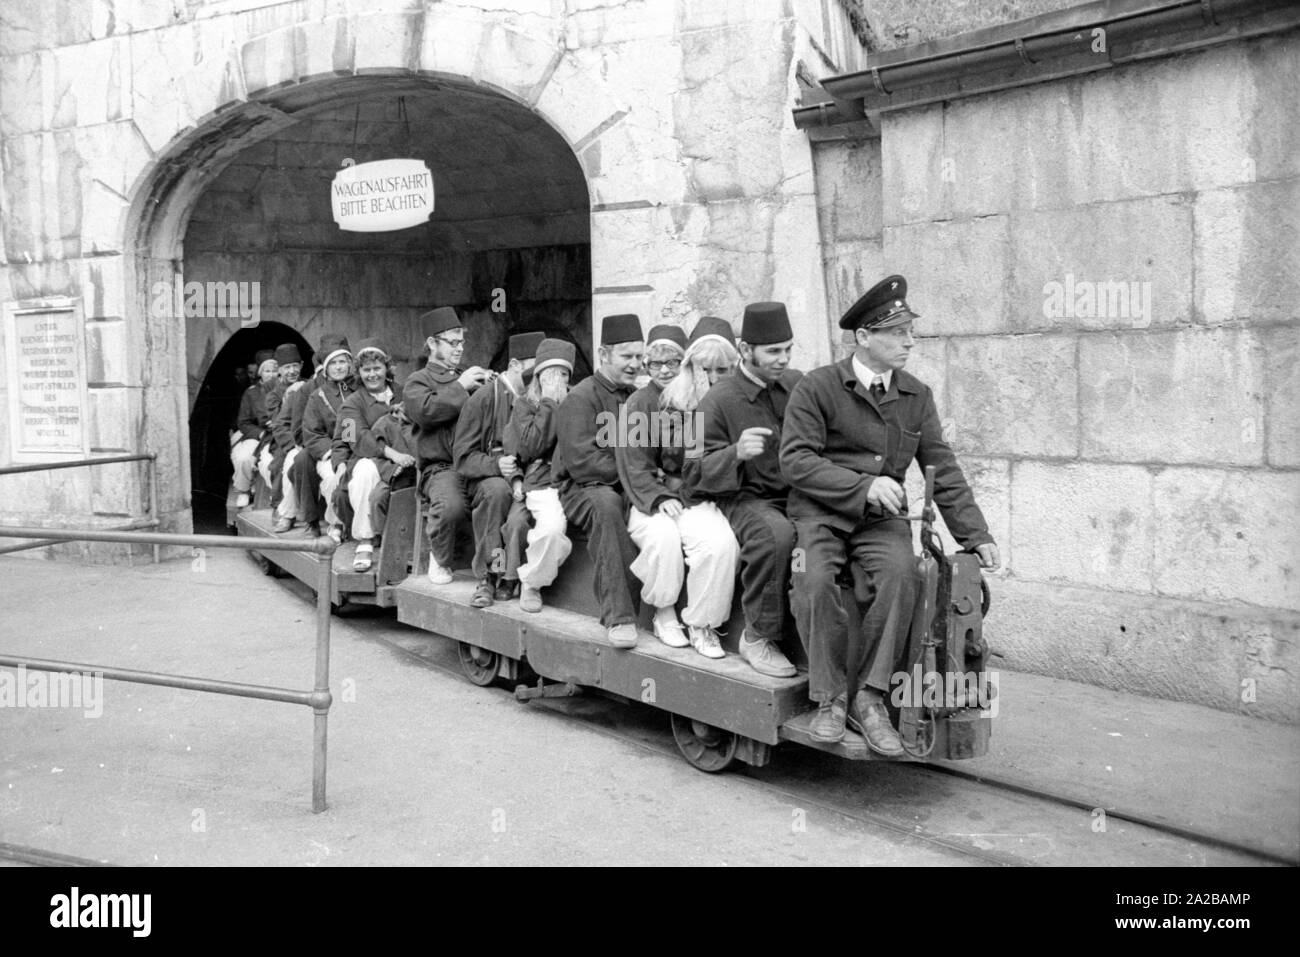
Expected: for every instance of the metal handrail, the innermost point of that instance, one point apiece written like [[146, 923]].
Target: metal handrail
[[318, 699], [150, 457]]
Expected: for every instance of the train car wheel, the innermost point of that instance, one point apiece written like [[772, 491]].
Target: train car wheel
[[268, 567], [479, 664], [704, 746]]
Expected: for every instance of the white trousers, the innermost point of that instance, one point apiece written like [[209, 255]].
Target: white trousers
[[361, 492], [329, 483], [548, 543], [241, 457], [288, 507], [264, 465], [700, 540]]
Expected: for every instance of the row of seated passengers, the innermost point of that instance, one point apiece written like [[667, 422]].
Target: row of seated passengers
[[341, 442], [755, 458]]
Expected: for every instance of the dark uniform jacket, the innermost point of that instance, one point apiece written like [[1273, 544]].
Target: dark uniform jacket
[[736, 403], [650, 456], [585, 438], [433, 398], [482, 427], [837, 441], [530, 437], [353, 438], [287, 422], [253, 418], [321, 413]]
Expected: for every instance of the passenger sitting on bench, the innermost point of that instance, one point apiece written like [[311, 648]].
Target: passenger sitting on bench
[[358, 453], [433, 397], [588, 474], [316, 477], [489, 473], [253, 427], [394, 434], [530, 438], [650, 458], [270, 461], [741, 420]]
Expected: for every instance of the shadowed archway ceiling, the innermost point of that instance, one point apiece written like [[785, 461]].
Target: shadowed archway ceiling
[[503, 178]]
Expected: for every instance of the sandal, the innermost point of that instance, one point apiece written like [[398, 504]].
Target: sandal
[[361, 563], [336, 534]]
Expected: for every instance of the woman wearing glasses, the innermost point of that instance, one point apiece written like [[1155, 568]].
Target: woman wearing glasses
[[678, 540]]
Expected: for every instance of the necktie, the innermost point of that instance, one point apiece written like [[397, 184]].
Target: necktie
[[878, 388]]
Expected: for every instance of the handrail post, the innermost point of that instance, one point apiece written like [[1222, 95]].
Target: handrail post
[[153, 502], [321, 697]]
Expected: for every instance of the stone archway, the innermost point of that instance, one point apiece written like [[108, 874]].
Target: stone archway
[[260, 92]]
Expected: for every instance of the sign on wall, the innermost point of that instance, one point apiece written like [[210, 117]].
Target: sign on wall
[[382, 196], [47, 378]]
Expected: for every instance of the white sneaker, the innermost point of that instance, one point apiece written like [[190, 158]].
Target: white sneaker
[[243, 500], [669, 630], [705, 641], [765, 657], [622, 636], [437, 574]]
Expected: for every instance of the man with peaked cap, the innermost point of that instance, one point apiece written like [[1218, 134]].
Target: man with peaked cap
[[479, 453], [851, 431], [433, 398], [741, 418], [585, 467], [252, 423]]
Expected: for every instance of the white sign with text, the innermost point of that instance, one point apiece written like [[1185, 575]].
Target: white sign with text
[[382, 196]]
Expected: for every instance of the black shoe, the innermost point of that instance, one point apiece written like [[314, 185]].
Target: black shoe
[[506, 589], [828, 724], [482, 595]]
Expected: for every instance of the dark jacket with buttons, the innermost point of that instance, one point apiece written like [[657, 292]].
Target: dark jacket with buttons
[[586, 431], [530, 437], [433, 398], [482, 428], [837, 440], [736, 403], [650, 457], [320, 414], [253, 419], [353, 438]]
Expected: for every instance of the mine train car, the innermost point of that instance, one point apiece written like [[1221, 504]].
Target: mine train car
[[721, 711]]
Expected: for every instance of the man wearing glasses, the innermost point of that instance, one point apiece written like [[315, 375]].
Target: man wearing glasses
[[433, 398]]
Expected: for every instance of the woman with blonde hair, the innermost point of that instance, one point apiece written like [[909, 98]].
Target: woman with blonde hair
[[681, 541]]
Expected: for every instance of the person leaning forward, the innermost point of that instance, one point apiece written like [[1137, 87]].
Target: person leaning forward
[[587, 473], [489, 473], [851, 431], [741, 419], [433, 398]]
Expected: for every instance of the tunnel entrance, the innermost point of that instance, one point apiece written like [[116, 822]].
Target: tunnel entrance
[[215, 407], [508, 244]]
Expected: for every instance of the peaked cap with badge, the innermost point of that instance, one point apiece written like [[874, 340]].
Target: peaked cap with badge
[[883, 306]]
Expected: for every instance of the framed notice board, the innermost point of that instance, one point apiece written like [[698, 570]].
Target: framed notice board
[[45, 378]]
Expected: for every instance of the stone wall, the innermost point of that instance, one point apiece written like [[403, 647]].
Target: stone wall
[[1137, 466], [119, 115]]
